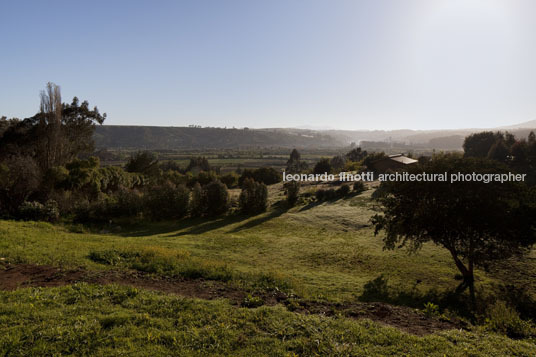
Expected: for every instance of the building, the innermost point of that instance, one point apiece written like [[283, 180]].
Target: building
[[392, 163]]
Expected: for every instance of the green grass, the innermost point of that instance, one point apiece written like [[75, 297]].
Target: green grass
[[85, 319], [321, 251]]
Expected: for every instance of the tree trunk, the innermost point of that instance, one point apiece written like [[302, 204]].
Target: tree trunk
[[468, 278]]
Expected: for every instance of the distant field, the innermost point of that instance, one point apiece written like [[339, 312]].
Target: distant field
[[226, 160]]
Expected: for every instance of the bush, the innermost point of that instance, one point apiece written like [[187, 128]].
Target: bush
[[266, 175], [292, 192], [129, 203], [167, 201], [322, 166], [343, 191], [252, 301], [320, 194], [230, 180], [254, 197], [330, 194], [35, 211], [359, 187], [504, 319]]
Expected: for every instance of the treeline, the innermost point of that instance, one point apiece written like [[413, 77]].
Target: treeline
[[47, 171]]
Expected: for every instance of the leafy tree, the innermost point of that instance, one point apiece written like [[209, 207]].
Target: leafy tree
[[266, 175], [143, 162], [479, 144], [254, 197], [198, 164], [322, 166], [20, 177], [371, 158], [337, 163], [54, 136], [216, 198], [230, 180], [294, 163], [356, 154], [167, 201], [197, 202], [476, 222], [499, 151]]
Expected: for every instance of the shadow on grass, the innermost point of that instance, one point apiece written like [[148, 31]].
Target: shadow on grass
[[185, 226], [310, 205], [200, 226], [378, 290], [256, 221]]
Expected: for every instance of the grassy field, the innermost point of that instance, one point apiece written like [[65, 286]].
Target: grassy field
[[320, 252]]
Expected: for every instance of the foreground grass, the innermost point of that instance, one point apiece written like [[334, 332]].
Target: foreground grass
[[87, 319]]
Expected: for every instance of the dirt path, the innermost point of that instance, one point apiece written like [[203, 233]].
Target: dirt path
[[13, 276]]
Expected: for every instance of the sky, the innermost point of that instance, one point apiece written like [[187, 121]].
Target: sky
[[359, 64]]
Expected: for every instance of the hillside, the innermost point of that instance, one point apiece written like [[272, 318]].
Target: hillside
[[158, 138], [297, 282], [153, 137]]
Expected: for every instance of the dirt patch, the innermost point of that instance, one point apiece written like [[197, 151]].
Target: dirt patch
[[13, 276], [401, 317]]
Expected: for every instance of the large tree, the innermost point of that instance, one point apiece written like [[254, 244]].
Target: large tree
[[56, 135], [476, 222]]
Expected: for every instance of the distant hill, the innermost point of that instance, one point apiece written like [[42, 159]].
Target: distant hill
[[153, 137], [526, 125]]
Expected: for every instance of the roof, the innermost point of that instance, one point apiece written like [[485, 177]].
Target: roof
[[402, 159]]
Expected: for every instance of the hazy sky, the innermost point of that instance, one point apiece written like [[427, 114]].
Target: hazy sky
[[421, 64]]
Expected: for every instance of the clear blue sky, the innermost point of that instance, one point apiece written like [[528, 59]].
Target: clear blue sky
[[378, 64]]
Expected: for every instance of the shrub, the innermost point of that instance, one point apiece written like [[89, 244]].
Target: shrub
[[322, 166], [266, 175], [230, 180], [320, 194], [129, 203], [431, 309], [504, 319], [343, 191], [292, 192], [35, 211], [330, 194], [252, 301], [359, 187], [167, 201], [254, 197]]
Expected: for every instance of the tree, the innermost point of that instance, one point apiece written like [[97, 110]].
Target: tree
[[253, 197], [292, 190], [197, 202], [216, 198], [19, 180], [143, 162], [479, 144], [167, 201], [323, 166], [56, 135], [337, 163], [198, 164], [266, 175], [294, 163], [476, 222], [356, 154]]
